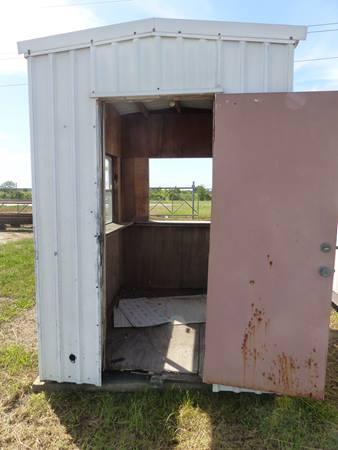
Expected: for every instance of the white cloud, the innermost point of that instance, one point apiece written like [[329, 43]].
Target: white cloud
[[15, 166], [317, 75], [27, 19], [176, 9], [154, 8]]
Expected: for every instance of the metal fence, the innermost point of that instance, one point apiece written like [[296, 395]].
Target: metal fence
[[15, 207], [174, 202], [15, 199]]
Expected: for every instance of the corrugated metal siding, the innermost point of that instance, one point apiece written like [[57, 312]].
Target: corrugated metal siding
[[160, 64], [66, 187]]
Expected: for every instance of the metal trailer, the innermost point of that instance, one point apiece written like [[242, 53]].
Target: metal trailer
[[156, 62]]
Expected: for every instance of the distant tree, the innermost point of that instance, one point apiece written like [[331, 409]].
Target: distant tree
[[174, 194], [8, 185], [157, 194], [203, 193]]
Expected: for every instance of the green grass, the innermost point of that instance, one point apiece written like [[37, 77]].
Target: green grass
[[14, 208], [15, 358], [181, 208], [152, 419], [17, 289], [192, 420]]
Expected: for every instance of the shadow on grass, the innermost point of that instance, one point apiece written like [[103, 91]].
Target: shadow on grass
[[195, 420], [155, 420], [201, 420]]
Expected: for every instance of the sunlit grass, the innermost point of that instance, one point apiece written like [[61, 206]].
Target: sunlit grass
[[17, 289], [181, 210], [153, 419]]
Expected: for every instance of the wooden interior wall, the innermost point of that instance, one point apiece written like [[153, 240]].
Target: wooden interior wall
[[113, 130], [113, 247], [134, 189], [134, 138], [131, 175], [167, 134], [113, 276], [112, 127], [166, 256], [113, 263]]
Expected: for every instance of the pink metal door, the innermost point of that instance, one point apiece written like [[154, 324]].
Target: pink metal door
[[273, 236]]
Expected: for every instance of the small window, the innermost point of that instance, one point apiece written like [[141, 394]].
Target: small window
[[180, 189], [108, 181]]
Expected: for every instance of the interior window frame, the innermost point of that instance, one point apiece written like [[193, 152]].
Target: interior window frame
[[110, 188]]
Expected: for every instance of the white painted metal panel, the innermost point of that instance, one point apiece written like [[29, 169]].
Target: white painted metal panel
[[163, 56], [279, 67], [66, 185], [254, 60], [231, 65], [45, 225], [154, 65]]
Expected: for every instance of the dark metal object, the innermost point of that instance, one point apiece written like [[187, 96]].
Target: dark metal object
[[16, 219], [325, 271], [325, 247]]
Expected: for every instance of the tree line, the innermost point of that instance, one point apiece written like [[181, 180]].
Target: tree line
[[160, 194], [9, 191]]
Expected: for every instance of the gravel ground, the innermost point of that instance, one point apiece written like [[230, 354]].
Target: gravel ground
[[20, 331], [10, 236]]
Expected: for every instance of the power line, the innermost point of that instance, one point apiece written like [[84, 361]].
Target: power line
[[323, 31], [316, 59], [12, 84], [67, 5], [323, 24]]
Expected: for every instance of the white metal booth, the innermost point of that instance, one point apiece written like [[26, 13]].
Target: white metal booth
[[69, 76]]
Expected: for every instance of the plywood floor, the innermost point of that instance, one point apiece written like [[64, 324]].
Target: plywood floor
[[148, 312], [157, 349]]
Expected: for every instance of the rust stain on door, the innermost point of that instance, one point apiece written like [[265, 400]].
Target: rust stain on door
[[275, 185]]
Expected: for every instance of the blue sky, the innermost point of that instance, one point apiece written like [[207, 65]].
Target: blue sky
[[24, 19]]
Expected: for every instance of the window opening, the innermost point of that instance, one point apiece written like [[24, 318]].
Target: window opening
[[108, 180]]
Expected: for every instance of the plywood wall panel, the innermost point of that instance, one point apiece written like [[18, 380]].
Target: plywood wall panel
[[166, 256], [168, 134], [112, 131], [134, 189]]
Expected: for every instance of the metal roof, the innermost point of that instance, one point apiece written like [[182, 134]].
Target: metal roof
[[169, 27]]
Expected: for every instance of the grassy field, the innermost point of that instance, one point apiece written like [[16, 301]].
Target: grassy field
[[182, 210], [15, 209], [149, 420]]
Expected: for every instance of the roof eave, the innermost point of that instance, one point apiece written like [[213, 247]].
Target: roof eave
[[235, 30]]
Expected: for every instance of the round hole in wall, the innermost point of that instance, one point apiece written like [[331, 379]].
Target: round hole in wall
[[72, 358]]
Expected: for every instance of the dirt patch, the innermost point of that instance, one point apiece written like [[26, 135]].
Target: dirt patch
[[10, 236], [21, 331]]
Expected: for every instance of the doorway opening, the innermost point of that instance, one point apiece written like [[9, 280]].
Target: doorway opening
[[156, 268]]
